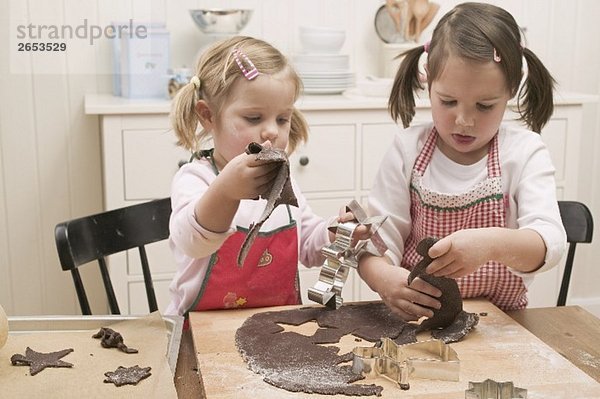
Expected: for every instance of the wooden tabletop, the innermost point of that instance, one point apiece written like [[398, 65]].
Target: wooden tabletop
[[569, 330]]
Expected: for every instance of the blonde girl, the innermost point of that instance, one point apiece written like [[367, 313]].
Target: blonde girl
[[485, 188], [243, 91]]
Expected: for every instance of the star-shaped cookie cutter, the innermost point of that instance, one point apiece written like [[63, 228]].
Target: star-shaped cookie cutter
[[341, 255], [431, 359], [490, 389]]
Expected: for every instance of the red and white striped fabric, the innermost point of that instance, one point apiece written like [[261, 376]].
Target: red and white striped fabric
[[438, 215]]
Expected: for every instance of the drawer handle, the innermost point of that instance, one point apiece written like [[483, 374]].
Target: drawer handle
[[304, 160]]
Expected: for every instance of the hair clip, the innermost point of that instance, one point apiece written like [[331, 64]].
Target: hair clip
[[496, 56], [426, 46], [248, 74]]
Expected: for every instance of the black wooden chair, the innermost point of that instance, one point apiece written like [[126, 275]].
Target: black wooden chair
[[579, 225], [93, 238]]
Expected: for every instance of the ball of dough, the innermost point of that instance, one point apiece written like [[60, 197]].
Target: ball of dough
[[3, 327]]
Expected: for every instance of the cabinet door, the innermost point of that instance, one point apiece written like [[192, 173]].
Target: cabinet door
[[376, 139], [326, 162], [160, 258], [150, 159]]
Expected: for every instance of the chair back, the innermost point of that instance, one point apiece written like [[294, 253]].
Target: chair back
[[579, 225], [93, 238]]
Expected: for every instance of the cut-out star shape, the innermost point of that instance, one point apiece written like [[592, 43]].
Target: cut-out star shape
[[37, 361], [127, 375]]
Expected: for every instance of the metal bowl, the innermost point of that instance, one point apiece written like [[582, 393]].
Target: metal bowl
[[221, 21]]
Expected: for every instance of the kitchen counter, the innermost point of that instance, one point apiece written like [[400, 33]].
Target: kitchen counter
[[106, 104]]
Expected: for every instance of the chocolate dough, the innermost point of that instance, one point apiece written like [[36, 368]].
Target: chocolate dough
[[112, 339], [38, 361], [298, 363], [281, 191], [451, 299], [127, 375]]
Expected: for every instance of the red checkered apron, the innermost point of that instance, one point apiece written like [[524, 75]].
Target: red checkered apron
[[438, 215]]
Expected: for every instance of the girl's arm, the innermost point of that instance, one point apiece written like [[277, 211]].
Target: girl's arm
[[241, 178], [464, 251], [203, 209]]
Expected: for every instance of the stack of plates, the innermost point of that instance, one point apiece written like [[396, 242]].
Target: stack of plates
[[327, 82], [322, 69], [324, 73]]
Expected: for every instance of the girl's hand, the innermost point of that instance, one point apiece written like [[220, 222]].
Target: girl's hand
[[361, 232], [461, 253], [408, 302], [244, 178]]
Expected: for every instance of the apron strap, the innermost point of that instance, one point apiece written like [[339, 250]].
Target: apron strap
[[493, 163], [208, 154], [426, 153]]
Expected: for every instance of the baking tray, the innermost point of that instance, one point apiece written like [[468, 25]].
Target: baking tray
[[37, 324]]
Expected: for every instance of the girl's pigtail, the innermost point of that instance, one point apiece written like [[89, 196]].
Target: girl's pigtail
[[298, 130], [184, 118], [536, 97], [402, 97]]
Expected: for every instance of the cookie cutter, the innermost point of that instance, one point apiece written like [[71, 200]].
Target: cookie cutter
[[431, 359], [490, 389], [341, 255]]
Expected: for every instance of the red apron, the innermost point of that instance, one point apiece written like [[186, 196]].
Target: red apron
[[269, 276], [438, 215]]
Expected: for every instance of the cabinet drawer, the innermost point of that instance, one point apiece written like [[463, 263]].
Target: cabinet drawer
[[150, 159], [326, 162]]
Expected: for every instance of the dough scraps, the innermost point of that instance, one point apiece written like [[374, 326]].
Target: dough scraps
[[112, 339], [310, 367]]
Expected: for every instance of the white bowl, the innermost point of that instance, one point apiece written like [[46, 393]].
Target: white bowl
[[230, 21], [321, 62], [321, 40]]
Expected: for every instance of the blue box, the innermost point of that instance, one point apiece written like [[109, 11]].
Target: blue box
[[142, 63]]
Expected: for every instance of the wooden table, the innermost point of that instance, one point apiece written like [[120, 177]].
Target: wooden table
[[188, 381], [568, 331]]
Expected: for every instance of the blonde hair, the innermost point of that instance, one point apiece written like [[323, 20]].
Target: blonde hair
[[476, 31], [217, 71]]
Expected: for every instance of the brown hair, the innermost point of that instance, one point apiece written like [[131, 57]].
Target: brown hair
[[217, 71], [474, 31]]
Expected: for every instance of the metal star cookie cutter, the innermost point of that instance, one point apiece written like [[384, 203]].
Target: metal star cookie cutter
[[490, 389], [431, 359], [341, 255]]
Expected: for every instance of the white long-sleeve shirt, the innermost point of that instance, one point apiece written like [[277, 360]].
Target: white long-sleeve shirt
[[527, 181], [192, 245]]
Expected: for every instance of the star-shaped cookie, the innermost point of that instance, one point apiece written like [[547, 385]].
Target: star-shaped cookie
[[38, 361], [127, 375]]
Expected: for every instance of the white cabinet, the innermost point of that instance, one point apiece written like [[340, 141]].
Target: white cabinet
[[348, 137]]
